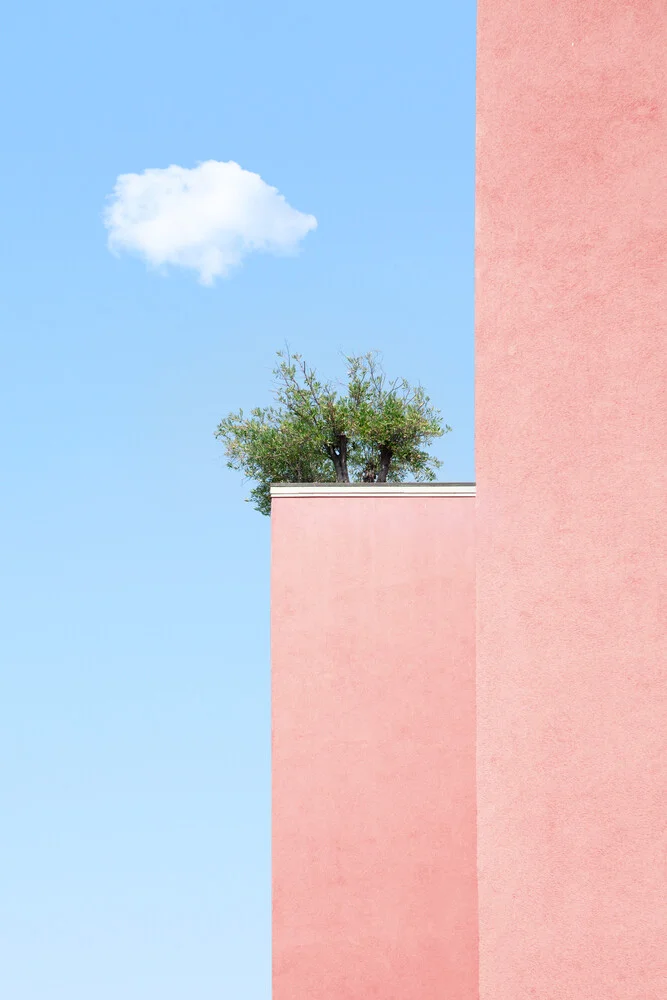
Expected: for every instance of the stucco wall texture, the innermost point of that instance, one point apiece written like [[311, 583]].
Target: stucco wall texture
[[571, 435], [374, 855]]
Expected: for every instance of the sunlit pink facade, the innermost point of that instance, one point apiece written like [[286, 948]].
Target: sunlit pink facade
[[571, 432], [470, 694], [373, 662]]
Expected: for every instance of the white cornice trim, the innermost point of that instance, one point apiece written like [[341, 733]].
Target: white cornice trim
[[372, 490]]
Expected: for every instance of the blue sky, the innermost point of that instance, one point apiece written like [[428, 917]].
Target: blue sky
[[134, 682]]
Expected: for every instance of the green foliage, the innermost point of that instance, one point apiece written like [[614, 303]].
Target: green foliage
[[378, 431]]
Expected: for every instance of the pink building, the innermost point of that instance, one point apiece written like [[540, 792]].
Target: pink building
[[571, 439], [460, 817], [373, 662]]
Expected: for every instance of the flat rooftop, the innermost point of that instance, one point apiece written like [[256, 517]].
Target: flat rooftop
[[373, 489]]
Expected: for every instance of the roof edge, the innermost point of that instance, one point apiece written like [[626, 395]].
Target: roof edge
[[322, 490]]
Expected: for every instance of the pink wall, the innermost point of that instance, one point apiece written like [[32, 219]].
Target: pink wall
[[572, 490], [373, 748]]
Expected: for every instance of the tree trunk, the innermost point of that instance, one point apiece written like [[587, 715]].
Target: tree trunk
[[338, 468], [385, 462], [338, 455], [343, 458]]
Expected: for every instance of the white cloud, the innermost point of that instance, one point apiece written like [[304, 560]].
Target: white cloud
[[206, 219]]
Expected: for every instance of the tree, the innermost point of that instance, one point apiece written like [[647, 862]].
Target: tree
[[378, 431]]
